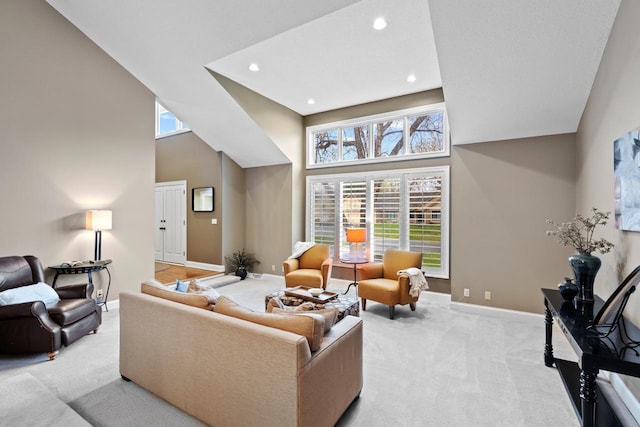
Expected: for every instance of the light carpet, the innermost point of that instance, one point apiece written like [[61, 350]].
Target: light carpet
[[27, 402], [438, 366]]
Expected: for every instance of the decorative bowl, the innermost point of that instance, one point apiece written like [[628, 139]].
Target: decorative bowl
[[315, 291]]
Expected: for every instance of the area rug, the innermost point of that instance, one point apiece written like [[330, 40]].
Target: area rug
[[27, 402]]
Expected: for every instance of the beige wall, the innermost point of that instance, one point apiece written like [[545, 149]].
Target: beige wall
[[187, 157], [613, 109], [233, 206], [77, 133], [275, 195], [502, 193]]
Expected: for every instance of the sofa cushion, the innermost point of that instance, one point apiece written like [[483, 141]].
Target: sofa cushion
[[37, 292], [157, 289], [311, 326], [330, 314]]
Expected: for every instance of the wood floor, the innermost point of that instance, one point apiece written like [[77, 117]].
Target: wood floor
[[169, 273]]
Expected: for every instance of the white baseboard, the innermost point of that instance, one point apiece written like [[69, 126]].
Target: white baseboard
[[204, 266], [625, 395]]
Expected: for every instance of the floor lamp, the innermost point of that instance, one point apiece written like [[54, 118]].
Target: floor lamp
[[98, 220]]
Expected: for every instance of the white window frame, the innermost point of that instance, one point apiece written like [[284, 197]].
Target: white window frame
[[182, 127], [442, 171], [370, 121]]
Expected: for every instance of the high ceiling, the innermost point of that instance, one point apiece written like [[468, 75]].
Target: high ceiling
[[508, 68]]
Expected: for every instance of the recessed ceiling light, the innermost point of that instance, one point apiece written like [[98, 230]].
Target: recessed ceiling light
[[379, 23], [411, 78], [254, 67], [311, 101]]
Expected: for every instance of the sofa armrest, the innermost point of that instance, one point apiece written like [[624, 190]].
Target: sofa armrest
[[333, 377], [371, 270], [84, 290], [291, 264]]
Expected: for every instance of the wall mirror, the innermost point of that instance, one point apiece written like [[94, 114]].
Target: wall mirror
[[202, 199]]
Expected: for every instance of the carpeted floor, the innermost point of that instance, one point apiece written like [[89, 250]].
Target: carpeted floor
[[438, 366], [169, 273]]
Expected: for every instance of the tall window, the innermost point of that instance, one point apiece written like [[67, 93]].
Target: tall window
[[167, 123], [405, 209], [412, 133]]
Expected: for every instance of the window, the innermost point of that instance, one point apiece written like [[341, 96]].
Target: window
[[167, 123], [405, 209], [407, 134]]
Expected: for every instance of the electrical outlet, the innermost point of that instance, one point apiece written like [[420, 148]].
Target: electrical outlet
[[487, 295], [466, 292], [99, 293], [273, 267]]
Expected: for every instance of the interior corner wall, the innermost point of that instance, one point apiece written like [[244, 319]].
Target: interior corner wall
[[77, 134], [281, 195], [233, 206], [502, 194], [187, 157]]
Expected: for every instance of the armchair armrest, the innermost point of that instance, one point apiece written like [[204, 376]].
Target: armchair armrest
[[24, 309], [372, 270], [326, 267], [28, 328], [404, 284], [83, 290], [290, 265]]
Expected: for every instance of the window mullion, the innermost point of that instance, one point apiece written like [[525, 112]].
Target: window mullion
[[404, 214]]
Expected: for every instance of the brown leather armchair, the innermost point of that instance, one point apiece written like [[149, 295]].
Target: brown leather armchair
[[312, 268], [381, 283], [30, 327]]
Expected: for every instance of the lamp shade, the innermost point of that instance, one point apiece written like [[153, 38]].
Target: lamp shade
[[98, 220], [356, 235]]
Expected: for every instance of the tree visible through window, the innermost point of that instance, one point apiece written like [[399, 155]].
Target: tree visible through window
[[384, 136]]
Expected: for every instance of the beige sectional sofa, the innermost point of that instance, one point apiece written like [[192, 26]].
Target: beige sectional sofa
[[227, 371]]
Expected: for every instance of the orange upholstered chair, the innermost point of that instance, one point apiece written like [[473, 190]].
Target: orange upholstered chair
[[381, 283], [312, 268]]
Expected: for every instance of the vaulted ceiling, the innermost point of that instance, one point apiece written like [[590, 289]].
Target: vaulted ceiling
[[508, 68]]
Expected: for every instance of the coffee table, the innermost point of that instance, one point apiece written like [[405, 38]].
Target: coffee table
[[344, 304]]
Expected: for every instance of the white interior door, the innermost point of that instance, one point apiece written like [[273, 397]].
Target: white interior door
[[170, 221]]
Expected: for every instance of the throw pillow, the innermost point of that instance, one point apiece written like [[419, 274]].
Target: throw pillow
[[330, 315], [196, 286], [37, 292], [182, 286], [155, 288]]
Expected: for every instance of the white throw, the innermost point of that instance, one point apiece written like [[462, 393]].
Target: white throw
[[417, 281], [301, 247]]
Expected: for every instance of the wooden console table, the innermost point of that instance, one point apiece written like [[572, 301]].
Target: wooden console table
[[86, 267], [579, 378]]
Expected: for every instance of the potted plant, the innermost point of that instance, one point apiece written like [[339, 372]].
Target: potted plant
[[579, 233], [240, 262]]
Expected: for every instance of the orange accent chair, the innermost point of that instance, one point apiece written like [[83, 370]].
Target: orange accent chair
[[312, 268], [381, 283]]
